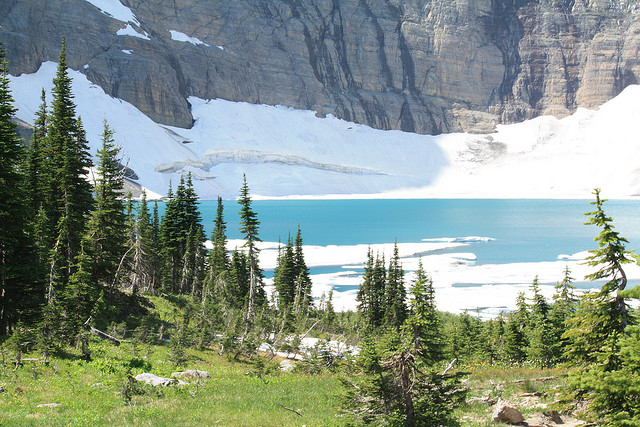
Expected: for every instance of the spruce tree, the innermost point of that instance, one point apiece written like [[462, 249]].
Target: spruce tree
[[219, 262], [367, 295], [539, 329], [395, 293], [33, 167], [107, 228], [237, 289], [303, 300], [19, 299], [143, 252], [68, 192], [423, 324], [601, 317], [562, 309], [602, 335], [284, 277], [249, 226], [515, 339]]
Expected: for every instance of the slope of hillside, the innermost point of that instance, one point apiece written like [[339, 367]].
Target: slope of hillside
[[286, 152]]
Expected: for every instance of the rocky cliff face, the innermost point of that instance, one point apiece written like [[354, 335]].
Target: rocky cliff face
[[426, 66]]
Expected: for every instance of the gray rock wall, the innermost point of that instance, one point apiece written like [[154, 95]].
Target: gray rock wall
[[426, 66]]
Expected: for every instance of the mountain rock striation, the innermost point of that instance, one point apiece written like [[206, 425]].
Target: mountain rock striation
[[424, 66]]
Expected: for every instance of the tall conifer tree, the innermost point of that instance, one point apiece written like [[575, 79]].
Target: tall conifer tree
[[143, 252], [69, 191], [249, 226], [423, 325], [107, 228], [396, 295], [303, 300], [218, 256], [19, 297]]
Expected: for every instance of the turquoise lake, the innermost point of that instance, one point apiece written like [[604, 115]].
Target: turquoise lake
[[525, 230]]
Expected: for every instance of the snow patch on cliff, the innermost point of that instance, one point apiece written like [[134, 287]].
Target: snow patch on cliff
[[182, 37], [115, 10]]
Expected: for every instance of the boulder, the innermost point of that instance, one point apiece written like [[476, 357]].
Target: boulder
[[155, 380], [506, 412]]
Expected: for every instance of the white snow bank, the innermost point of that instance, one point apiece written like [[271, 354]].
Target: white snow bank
[[115, 10], [130, 31], [292, 153], [182, 37]]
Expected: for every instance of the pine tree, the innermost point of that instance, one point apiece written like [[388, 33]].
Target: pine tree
[[33, 167], [107, 229], [181, 226], [562, 309], [237, 289], [68, 192], [80, 294], [600, 319], [284, 278], [249, 225], [423, 324], [371, 292], [539, 328], [303, 301], [602, 335], [515, 340], [170, 243], [219, 262], [143, 251], [19, 299], [395, 293]]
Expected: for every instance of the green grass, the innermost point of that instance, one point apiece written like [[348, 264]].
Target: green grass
[[91, 393], [513, 382]]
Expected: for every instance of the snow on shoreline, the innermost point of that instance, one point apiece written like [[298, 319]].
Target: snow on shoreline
[[460, 283]]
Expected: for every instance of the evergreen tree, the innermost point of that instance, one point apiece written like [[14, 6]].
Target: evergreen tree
[[284, 277], [599, 322], [193, 261], [156, 258], [371, 293], [465, 337], [603, 337], [515, 339], [19, 285], [69, 196], [169, 242], [423, 325], [106, 227], [303, 301], [237, 290], [181, 229], [397, 386], [143, 251], [562, 309], [219, 262], [539, 328], [396, 295], [33, 167], [249, 226], [495, 339], [81, 295]]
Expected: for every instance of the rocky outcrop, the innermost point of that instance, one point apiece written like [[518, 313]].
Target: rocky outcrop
[[426, 66]]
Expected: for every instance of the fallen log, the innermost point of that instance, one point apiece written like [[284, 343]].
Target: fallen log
[[105, 336]]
